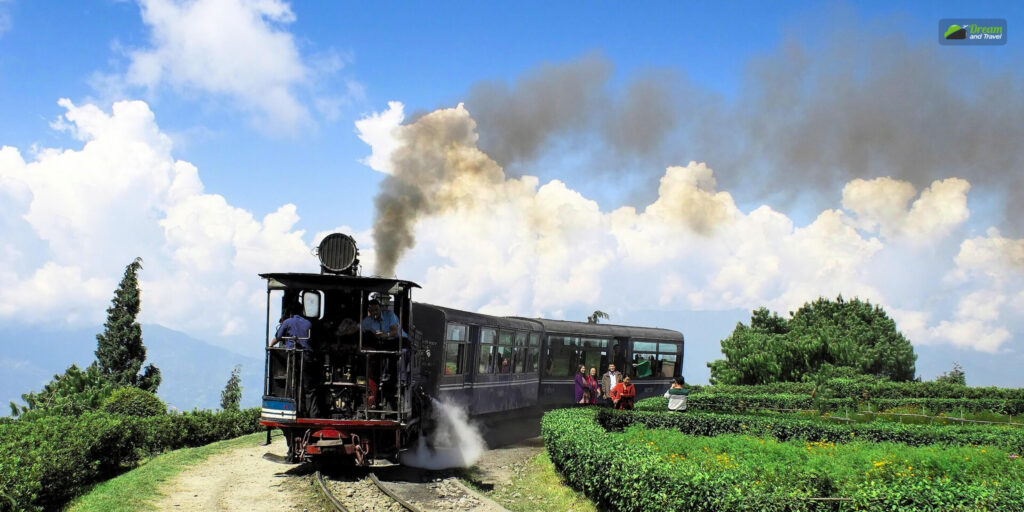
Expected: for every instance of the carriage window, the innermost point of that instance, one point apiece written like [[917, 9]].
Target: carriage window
[[594, 353], [455, 350], [644, 346], [561, 357], [520, 360], [505, 353], [488, 351], [654, 360], [532, 353]]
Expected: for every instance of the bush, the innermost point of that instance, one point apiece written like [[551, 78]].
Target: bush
[[739, 402], [44, 462], [652, 474], [131, 401], [786, 428]]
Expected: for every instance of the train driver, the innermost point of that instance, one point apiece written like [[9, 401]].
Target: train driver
[[383, 323]]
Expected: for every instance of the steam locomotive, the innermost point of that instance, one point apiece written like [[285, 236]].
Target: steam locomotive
[[359, 394]]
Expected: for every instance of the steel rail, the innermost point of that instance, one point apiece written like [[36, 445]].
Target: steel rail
[[327, 493], [380, 485]]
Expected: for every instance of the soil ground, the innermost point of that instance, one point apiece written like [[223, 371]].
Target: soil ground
[[239, 480]]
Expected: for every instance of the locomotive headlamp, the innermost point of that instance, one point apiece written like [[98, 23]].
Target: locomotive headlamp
[[338, 254]]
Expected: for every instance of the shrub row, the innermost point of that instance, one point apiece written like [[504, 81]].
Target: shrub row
[[734, 402], [632, 476], [786, 428], [851, 388], [45, 461]]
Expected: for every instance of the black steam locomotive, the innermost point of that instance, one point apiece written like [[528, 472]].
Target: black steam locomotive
[[363, 393]]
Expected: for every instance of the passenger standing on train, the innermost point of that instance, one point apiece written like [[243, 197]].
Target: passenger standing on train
[[623, 394], [595, 386], [581, 397], [676, 395], [608, 381]]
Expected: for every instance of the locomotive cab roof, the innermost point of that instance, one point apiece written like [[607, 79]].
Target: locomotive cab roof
[[305, 281]]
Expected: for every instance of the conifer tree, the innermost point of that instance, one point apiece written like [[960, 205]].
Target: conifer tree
[[119, 349], [231, 397]]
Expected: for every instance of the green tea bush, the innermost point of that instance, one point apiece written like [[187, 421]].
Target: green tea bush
[[861, 389], [739, 402], [132, 401], [785, 428], [643, 470], [44, 462]]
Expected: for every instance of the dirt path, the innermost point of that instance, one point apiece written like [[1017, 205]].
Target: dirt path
[[239, 480], [500, 465]]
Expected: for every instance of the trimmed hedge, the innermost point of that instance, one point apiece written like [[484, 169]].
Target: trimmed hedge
[[44, 462], [850, 388], [733, 402], [635, 477], [783, 429]]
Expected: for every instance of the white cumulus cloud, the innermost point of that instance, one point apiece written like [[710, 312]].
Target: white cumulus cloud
[[85, 213], [239, 50]]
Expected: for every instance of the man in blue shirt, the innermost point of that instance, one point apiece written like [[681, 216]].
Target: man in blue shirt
[[292, 329], [297, 328], [384, 324]]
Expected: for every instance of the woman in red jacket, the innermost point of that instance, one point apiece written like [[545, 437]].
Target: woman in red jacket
[[622, 394]]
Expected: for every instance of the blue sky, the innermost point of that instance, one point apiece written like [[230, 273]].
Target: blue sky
[[776, 217]]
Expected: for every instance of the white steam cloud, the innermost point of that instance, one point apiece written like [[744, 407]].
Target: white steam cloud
[[454, 443]]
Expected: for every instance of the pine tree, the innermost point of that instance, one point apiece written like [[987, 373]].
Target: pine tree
[[231, 397], [119, 349]]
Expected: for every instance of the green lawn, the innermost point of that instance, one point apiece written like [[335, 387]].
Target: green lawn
[[137, 489]]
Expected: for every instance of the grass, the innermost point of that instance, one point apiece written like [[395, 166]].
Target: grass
[[138, 489], [537, 487]]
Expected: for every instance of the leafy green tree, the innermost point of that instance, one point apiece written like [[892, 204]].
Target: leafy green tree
[[597, 316], [955, 376], [838, 337], [231, 397], [70, 393], [119, 349]]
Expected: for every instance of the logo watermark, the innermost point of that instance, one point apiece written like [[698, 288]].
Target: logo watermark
[[972, 31]]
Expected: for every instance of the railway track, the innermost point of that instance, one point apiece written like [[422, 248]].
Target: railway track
[[400, 489]]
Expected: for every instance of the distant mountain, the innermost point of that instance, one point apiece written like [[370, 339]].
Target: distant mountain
[[194, 372]]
